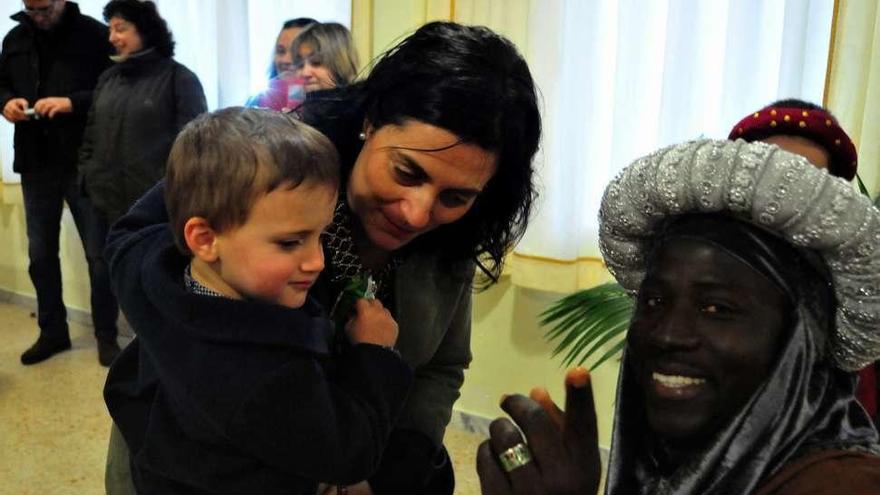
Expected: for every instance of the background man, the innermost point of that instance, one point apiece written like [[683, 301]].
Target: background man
[[49, 65]]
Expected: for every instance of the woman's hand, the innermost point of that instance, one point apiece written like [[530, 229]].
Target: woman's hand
[[564, 446]]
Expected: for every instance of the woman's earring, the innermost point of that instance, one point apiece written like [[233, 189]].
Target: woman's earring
[[362, 136]]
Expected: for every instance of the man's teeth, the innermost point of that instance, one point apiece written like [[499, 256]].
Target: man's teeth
[[676, 381]]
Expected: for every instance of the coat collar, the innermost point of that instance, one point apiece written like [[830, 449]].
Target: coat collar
[[220, 319]]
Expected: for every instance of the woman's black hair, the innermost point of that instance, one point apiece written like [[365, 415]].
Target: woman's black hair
[[473, 83], [152, 29]]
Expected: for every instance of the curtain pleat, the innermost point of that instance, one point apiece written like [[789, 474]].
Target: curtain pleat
[[854, 82]]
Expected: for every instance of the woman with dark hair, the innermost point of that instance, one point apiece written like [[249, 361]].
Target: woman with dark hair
[[436, 147], [140, 105], [468, 88], [756, 278], [324, 56]]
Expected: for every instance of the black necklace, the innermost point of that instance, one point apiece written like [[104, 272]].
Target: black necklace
[[346, 263]]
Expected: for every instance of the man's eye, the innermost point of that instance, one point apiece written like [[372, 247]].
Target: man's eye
[[650, 302], [714, 308]]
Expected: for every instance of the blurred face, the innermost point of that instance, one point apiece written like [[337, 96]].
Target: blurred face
[[399, 189], [45, 13], [310, 66], [124, 37], [283, 57], [812, 151], [276, 255], [704, 337]]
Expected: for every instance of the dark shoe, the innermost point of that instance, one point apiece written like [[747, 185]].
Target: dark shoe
[[43, 349], [107, 351]]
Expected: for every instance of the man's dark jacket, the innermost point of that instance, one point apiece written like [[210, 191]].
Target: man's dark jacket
[[78, 50]]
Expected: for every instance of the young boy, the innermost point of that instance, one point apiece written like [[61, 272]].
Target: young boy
[[229, 386]]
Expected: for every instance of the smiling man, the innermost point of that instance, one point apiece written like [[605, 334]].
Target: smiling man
[[751, 269], [706, 330], [48, 68]]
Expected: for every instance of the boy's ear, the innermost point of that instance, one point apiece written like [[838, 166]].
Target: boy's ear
[[201, 239]]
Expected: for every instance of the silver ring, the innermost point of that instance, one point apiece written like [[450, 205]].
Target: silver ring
[[515, 457]]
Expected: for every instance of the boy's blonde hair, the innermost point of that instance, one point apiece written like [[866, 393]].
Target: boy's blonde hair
[[221, 162]]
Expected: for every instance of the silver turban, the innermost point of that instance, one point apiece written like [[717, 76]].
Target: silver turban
[[769, 187]]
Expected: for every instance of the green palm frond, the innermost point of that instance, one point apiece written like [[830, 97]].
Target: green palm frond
[[864, 190], [584, 322]]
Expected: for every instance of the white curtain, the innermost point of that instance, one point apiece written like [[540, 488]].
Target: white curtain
[[227, 43], [621, 78]]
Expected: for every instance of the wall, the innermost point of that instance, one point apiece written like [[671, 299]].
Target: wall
[[14, 279], [511, 356]]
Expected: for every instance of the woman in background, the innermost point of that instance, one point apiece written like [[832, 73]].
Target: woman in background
[[140, 105], [285, 88], [282, 58], [324, 56]]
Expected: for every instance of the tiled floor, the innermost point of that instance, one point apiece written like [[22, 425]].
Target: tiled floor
[[54, 427]]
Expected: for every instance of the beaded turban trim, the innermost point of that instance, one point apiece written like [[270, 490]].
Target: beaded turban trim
[[776, 190], [816, 125]]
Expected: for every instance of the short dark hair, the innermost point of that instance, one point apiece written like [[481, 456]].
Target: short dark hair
[[299, 22], [796, 103], [152, 29], [473, 83], [221, 162]]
